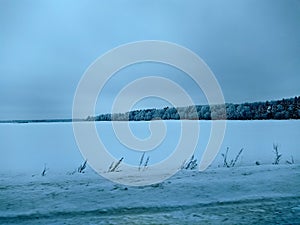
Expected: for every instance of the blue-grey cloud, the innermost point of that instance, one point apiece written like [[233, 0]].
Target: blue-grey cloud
[[252, 46]]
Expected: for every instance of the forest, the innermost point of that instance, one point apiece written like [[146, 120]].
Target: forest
[[279, 110]]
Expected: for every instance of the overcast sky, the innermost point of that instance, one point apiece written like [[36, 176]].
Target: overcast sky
[[252, 46]]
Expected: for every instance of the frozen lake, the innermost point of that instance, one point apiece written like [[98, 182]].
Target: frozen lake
[[27, 147]]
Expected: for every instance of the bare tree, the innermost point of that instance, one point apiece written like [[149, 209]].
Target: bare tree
[[110, 167], [191, 164], [146, 163], [113, 167], [224, 155], [277, 154], [237, 157], [82, 167], [292, 160], [232, 162], [44, 170], [141, 161]]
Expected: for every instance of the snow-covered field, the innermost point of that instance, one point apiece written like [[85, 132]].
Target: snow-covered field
[[245, 194], [265, 194]]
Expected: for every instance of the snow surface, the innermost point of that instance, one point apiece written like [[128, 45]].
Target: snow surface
[[245, 194], [265, 194]]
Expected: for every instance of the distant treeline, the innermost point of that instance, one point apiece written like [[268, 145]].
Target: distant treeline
[[43, 121], [278, 110]]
